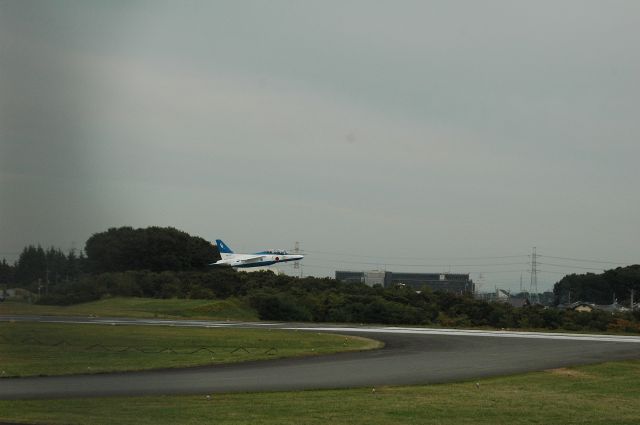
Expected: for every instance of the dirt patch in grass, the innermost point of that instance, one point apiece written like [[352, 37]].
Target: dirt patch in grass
[[569, 373]]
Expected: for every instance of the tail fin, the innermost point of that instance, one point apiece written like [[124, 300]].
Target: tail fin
[[222, 248]]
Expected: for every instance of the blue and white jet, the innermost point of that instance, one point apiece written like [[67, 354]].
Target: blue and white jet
[[259, 259]]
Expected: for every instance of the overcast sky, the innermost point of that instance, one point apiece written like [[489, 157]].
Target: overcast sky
[[411, 136]]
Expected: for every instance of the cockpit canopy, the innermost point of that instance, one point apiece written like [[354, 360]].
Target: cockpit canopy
[[274, 252]]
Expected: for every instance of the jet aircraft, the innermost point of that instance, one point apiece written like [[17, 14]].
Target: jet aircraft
[[259, 259]]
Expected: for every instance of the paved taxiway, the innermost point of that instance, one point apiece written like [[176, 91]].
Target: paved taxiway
[[410, 356]]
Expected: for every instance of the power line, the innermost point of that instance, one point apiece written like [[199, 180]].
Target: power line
[[333, 267], [570, 266], [345, 254], [499, 271], [385, 261], [444, 265], [414, 258], [582, 260], [549, 271]]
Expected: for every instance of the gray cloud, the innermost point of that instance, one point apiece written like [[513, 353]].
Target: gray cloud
[[420, 129]]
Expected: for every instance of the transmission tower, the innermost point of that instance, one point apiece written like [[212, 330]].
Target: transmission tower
[[521, 283], [533, 286], [478, 285], [296, 264]]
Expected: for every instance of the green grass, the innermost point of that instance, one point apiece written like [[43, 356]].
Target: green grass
[[599, 394], [228, 309], [56, 349], [231, 309]]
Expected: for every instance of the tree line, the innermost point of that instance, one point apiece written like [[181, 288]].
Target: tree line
[[37, 265], [287, 298], [117, 249], [168, 263], [602, 288]]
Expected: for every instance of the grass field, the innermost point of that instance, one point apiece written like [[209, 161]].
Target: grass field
[[599, 394], [229, 309], [56, 349]]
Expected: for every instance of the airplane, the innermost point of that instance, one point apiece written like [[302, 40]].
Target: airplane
[[259, 259]]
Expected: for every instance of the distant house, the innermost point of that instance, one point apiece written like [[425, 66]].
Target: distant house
[[612, 307], [518, 302], [16, 293], [582, 307]]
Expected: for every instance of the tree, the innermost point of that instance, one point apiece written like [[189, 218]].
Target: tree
[[31, 266], [600, 288], [55, 265], [7, 272], [153, 248]]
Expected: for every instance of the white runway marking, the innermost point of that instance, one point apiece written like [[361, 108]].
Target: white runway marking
[[464, 332], [328, 328]]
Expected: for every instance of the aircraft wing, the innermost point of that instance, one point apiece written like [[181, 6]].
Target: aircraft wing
[[249, 260]]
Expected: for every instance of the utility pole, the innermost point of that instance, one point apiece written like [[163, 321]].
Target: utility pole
[[631, 302]]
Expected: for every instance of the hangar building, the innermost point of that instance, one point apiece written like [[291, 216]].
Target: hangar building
[[458, 283]]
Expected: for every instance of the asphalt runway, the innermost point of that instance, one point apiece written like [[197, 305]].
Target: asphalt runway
[[410, 356]]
